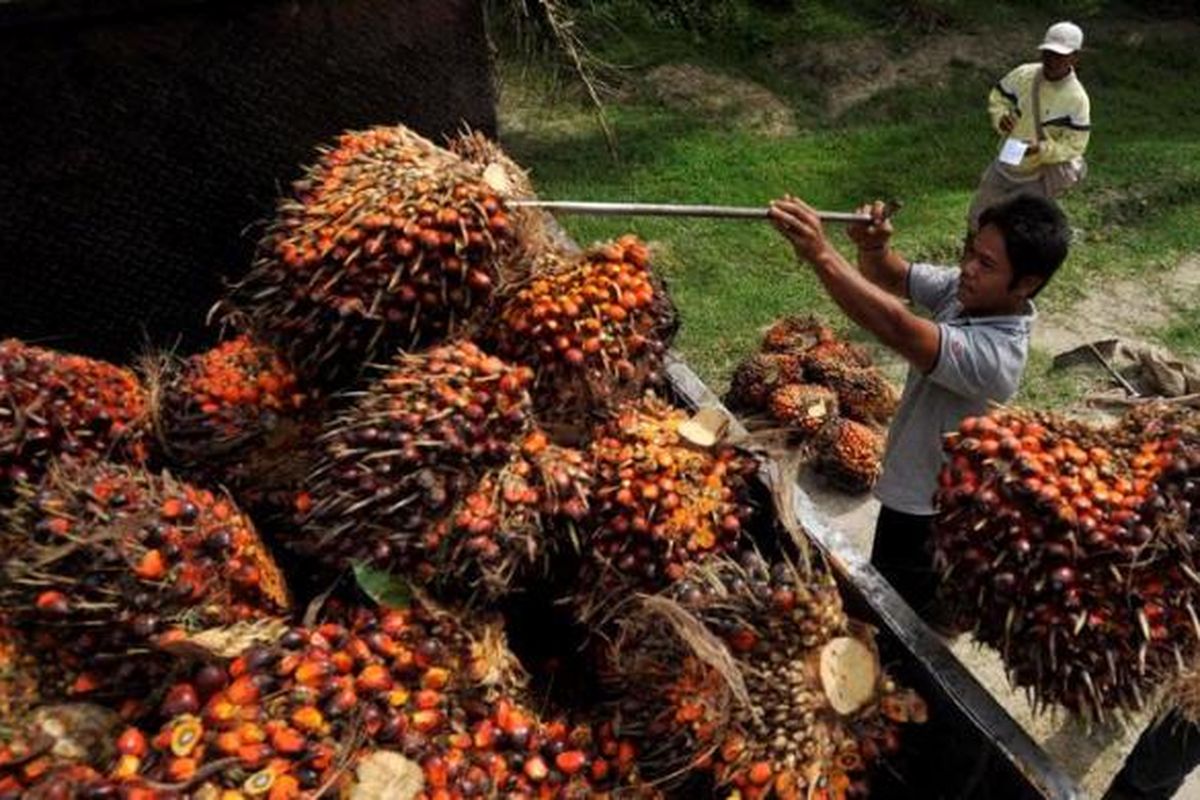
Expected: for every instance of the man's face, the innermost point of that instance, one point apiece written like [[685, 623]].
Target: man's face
[[985, 285], [1056, 66]]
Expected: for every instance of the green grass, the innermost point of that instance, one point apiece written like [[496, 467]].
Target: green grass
[[925, 145]]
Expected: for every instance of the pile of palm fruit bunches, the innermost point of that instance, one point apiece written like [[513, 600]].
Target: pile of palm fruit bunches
[[825, 393], [285, 567]]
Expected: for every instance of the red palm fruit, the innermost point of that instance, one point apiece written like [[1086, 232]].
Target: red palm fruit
[[234, 415], [387, 241], [149, 556], [850, 455], [1055, 533], [660, 502], [396, 462], [593, 328], [57, 405]]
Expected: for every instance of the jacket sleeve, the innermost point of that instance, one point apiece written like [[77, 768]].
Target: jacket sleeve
[[1003, 99], [1066, 137]]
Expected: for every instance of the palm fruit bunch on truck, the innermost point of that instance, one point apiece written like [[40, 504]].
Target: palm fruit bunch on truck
[[105, 561], [753, 673], [1071, 549], [823, 390], [58, 405], [237, 416], [387, 241], [594, 329], [659, 501], [396, 465], [512, 523]]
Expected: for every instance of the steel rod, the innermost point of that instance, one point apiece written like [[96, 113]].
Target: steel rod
[[671, 210]]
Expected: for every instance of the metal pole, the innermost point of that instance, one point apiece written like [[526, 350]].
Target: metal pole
[[670, 210]]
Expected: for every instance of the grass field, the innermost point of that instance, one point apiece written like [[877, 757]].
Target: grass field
[[923, 140]]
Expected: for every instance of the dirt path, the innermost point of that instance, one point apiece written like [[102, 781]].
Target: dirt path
[[1129, 308]]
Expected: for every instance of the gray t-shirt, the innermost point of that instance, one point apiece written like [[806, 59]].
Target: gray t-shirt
[[980, 359]]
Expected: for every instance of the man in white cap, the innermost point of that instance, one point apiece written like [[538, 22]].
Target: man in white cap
[[1044, 114]]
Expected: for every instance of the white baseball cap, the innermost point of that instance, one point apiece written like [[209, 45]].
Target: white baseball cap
[[1063, 38]]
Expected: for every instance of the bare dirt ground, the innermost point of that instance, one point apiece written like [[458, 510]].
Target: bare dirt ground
[[1127, 308], [740, 103]]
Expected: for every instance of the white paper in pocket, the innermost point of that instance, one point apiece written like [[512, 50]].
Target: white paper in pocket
[[1013, 151]]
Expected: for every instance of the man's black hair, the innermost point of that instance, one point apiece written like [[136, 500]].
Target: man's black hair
[[1036, 235]]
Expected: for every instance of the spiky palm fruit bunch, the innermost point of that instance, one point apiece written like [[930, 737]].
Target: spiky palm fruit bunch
[[756, 378], [804, 407], [851, 455], [288, 719], [57, 405], [221, 401], [660, 503], [387, 241], [723, 673], [832, 354], [594, 329], [509, 526], [126, 559], [234, 415], [864, 393], [795, 334], [413, 444], [532, 227], [1071, 549]]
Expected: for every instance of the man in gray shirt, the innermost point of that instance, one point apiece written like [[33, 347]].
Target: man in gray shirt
[[969, 351]]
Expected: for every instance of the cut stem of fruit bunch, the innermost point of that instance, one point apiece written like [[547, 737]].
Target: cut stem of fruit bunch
[[734, 670]]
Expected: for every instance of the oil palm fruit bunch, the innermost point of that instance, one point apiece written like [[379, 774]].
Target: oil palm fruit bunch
[[509, 526], [122, 559], [754, 673], [793, 334], [1070, 548], [829, 354], [850, 455], [412, 445], [388, 240], [235, 415], [57, 405], [757, 377], [531, 227], [594, 329], [864, 394], [803, 407], [661, 503]]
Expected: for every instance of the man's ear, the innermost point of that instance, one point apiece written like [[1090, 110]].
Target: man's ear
[[1028, 285]]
